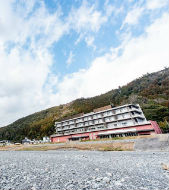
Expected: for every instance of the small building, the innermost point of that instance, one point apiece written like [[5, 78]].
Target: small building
[[2, 143], [46, 140], [27, 141], [5, 142], [106, 122]]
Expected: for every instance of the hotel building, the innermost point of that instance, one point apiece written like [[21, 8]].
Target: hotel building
[[105, 122]]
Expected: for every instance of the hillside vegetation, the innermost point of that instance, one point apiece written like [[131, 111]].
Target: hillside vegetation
[[151, 91]]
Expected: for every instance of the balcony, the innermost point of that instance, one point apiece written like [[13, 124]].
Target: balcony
[[100, 120], [138, 115], [72, 126], [79, 120], [71, 122], [86, 124], [96, 122], [91, 123], [99, 116], [109, 113], [134, 109], [95, 117], [80, 125]]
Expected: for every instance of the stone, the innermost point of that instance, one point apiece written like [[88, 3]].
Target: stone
[[106, 180], [109, 174], [165, 166]]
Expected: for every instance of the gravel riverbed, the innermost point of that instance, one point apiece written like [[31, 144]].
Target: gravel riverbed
[[76, 170]]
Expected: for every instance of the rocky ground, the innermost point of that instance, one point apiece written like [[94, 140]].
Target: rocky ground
[[84, 170]]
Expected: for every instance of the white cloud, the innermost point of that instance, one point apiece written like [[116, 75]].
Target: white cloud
[[18, 26], [86, 18], [133, 16], [22, 79], [27, 84], [156, 4], [23, 73], [147, 53], [90, 42], [70, 58]]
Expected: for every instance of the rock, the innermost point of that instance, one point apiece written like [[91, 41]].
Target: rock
[[118, 183], [109, 174], [106, 180], [95, 185], [70, 186], [165, 166], [98, 179], [68, 170]]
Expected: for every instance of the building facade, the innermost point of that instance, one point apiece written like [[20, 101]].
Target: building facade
[[105, 122]]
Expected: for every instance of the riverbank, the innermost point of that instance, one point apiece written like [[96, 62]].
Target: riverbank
[[83, 170]]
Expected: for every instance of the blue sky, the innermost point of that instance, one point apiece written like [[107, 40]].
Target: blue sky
[[54, 51]]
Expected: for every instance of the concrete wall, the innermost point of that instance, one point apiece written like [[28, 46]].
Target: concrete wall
[[159, 142]]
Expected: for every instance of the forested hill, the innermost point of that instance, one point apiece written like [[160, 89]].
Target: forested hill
[[151, 91]]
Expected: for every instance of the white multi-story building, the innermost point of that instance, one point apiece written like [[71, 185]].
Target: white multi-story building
[[103, 122]]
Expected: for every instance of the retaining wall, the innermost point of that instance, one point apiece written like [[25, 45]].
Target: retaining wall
[[158, 142]]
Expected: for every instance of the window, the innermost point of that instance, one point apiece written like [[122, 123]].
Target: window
[[111, 118], [90, 122], [100, 127], [124, 123], [94, 117], [96, 121], [92, 128], [99, 115], [136, 120], [86, 123], [105, 114], [107, 119], [71, 122]]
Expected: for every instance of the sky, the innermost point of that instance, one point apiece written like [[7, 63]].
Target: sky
[[55, 51]]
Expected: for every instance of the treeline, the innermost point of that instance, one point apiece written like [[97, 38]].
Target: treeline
[[151, 91]]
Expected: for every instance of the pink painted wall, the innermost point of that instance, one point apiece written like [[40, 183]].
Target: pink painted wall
[[156, 127]]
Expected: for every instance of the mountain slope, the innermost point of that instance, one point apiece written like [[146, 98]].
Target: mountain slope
[[151, 91]]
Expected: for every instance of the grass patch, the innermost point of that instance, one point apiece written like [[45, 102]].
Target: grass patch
[[118, 138], [102, 146], [98, 147], [112, 149]]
